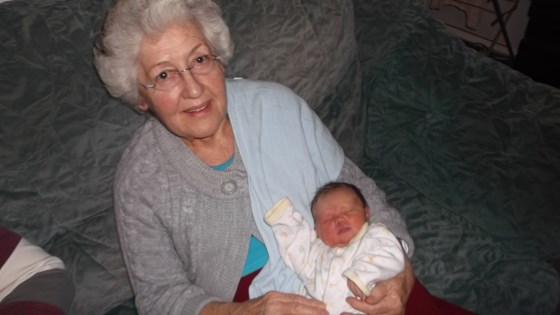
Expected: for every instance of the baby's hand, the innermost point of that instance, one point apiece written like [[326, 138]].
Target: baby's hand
[[357, 293], [355, 290]]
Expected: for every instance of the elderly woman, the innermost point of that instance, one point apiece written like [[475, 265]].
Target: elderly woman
[[213, 155]]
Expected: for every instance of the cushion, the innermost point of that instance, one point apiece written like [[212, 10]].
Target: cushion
[[474, 149], [308, 46], [61, 137]]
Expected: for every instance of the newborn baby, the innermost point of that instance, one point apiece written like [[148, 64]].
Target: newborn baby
[[342, 247]]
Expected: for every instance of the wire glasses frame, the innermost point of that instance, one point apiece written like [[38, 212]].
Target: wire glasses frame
[[170, 78]]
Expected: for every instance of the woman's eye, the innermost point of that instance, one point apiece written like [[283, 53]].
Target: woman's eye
[[201, 59], [162, 76]]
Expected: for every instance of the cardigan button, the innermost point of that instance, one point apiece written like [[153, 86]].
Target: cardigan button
[[229, 187]]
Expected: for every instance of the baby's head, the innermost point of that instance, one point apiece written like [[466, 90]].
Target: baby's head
[[339, 211]]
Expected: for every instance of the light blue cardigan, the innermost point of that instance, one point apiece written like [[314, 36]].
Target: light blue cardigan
[[288, 153]]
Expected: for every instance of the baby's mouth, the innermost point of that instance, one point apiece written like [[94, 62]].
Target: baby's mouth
[[343, 230]]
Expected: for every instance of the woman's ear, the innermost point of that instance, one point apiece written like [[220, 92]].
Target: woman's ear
[[142, 107]]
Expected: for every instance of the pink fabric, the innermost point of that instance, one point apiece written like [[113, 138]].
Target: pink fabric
[[8, 242], [242, 293], [421, 302], [29, 308]]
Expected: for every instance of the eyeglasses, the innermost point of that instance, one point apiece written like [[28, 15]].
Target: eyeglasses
[[170, 78]]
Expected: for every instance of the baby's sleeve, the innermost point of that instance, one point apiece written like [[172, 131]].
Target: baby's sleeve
[[294, 237], [378, 257]]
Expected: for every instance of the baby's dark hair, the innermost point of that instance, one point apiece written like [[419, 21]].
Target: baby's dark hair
[[328, 187]]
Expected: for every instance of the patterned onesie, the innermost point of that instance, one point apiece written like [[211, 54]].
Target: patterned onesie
[[374, 254]]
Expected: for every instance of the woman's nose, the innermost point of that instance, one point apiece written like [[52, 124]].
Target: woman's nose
[[191, 87]]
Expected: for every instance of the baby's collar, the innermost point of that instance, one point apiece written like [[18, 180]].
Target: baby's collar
[[360, 234]]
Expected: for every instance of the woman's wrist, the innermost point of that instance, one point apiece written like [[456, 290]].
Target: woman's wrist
[[409, 278], [215, 308]]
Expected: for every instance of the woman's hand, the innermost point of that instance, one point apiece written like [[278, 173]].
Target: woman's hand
[[388, 297], [272, 303]]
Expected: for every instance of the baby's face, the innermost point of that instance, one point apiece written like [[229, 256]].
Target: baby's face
[[339, 216]]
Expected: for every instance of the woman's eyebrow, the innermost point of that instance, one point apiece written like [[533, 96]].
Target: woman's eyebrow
[[192, 51], [196, 47]]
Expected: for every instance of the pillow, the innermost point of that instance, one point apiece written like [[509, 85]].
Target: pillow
[[308, 46], [470, 133], [472, 151], [460, 262], [61, 137]]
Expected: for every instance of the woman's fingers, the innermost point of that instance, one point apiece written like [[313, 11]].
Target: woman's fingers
[[282, 303], [388, 297], [381, 302]]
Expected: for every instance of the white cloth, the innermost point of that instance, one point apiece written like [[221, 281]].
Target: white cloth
[[374, 254], [25, 261]]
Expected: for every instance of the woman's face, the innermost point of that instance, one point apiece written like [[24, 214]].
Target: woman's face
[[195, 108], [339, 216]]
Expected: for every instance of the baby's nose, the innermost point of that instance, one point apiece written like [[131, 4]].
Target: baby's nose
[[340, 219]]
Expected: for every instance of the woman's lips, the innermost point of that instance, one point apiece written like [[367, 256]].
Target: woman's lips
[[197, 109]]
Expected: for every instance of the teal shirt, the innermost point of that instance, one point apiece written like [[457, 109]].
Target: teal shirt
[[256, 257], [224, 165]]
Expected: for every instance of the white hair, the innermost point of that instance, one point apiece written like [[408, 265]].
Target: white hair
[[129, 21]]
